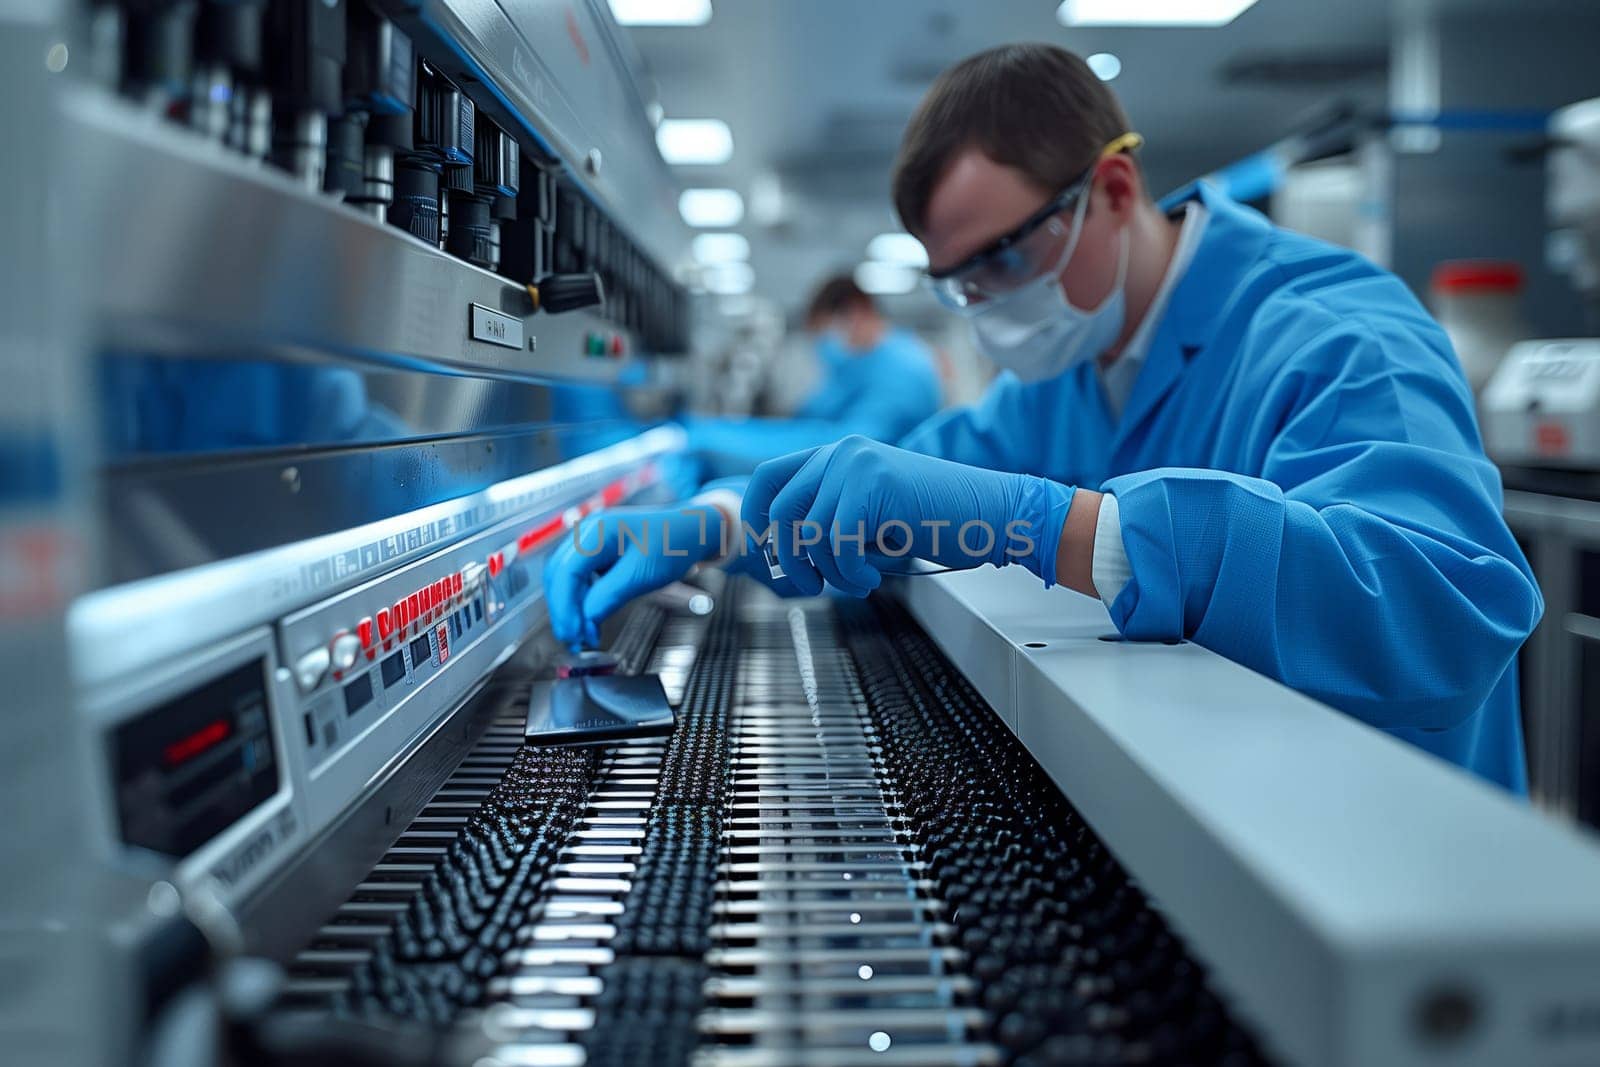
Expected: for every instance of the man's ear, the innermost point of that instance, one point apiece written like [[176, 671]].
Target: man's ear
[[1120, 184]]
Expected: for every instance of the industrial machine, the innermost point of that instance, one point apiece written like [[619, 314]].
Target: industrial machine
[[348, 284]]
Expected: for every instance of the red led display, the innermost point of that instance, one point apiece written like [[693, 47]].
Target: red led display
[[188, 748]]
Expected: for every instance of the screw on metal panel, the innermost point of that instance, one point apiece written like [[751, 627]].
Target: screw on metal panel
[[291, 479], [592, 161]]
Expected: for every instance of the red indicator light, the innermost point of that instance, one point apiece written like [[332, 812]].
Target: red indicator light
[[611, 494], [457, 582], [426, 599], [364, 631], [413, 608], [385, 624], [190, 747]]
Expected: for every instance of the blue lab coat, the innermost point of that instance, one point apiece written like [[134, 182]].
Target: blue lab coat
[[1302, 489]]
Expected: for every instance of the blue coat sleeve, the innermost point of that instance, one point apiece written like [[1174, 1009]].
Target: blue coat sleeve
[[1369, 565]]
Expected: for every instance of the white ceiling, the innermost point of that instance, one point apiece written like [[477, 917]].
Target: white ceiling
[[817, 93]]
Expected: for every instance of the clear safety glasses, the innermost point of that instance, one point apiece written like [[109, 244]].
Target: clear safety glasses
[[1016, 258]]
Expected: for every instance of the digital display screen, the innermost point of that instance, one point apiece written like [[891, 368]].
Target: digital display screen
[[188, 769], [421, 651], [358, 694], [394, 669]]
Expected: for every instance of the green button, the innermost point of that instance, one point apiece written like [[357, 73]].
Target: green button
[[594, 345]]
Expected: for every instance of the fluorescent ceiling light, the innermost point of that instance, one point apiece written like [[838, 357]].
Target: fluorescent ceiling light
[[886, 279], [901, 249], [694, 141], [661, 12], [710, 248], [729, 279], [1150, 12], [708, 208], [1105, 65]]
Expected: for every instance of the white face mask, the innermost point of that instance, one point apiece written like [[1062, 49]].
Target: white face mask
[[1037, 333]]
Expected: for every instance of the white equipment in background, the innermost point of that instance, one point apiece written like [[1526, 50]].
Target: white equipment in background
[[1542, 408]]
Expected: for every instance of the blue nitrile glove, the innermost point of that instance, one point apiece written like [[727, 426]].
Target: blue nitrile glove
[[902, 504], [615, 555]]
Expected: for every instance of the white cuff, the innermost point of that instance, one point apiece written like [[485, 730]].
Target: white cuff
[[729, 503], [1110, 569]]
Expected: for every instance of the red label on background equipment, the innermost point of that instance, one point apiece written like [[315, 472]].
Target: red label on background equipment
[[1551, 439]]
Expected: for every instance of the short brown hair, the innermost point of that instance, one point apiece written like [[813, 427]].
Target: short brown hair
[[836, 295], [1034, 107]]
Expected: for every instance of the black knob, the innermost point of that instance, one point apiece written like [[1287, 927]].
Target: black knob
[[472, 234], [556, 293], [416, 201]]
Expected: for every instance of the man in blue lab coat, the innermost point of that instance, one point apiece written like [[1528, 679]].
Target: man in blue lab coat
[[1229, 433]]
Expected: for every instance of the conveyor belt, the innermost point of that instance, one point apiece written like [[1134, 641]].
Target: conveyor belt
[[840, 856]]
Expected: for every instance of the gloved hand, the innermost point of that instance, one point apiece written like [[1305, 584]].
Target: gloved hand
[[831, 509], [613, 556]]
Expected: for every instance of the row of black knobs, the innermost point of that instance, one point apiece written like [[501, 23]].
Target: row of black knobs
[[450, 940], [651, 994], [1073, 964]]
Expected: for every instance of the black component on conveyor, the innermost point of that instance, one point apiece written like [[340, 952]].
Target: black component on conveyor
[[1074, 963]]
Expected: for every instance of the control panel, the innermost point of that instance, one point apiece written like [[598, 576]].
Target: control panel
[[374, 668], [197, 769], [223, 757]]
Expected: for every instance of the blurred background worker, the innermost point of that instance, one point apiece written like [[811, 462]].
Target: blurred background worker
[[1228, 432], [876, 379]]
